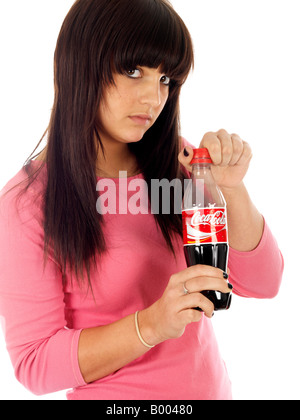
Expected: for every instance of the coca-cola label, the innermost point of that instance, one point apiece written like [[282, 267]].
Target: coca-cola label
[[204, 225]]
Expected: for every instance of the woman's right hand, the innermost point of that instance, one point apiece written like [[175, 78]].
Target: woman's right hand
[[169, 315]]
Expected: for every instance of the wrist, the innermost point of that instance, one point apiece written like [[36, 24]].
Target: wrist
[[147, 329], [232, 191]]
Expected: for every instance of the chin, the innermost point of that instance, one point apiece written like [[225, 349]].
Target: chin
[[134, 138]]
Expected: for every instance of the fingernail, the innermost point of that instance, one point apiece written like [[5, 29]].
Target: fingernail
[[225, 275], [230, 286], [186, 153]]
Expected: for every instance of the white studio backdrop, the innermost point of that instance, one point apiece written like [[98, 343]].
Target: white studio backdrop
[[246, 80]]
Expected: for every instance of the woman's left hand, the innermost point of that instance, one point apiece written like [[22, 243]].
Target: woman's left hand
[[231, 157]]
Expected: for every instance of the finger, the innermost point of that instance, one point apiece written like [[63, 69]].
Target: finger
[[226, 147], [190, 315], [237, 149], [185, 157], [246, 155], [198, 270], [212, 143], [198, 300], [200, 284]]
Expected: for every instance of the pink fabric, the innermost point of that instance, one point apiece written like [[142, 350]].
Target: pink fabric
[[43, 321]]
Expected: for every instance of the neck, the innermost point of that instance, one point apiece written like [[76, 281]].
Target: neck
[[116, 157]]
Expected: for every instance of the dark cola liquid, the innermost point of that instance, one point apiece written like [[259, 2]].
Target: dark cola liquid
[[215, 255]]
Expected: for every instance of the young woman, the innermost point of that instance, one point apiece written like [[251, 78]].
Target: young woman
[[103, 303]]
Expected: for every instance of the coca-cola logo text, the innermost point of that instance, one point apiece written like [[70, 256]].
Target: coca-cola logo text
[[215, 219], [204, 225]]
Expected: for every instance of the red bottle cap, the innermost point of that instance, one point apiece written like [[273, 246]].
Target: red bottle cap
[[201, 156]]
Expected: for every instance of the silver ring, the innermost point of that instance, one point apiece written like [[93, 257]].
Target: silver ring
[[185, 290]]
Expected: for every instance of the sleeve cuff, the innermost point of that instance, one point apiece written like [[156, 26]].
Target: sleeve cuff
[[74, 359]]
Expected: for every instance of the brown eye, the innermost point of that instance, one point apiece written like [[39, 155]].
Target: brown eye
[[134, 74], [165, 80]]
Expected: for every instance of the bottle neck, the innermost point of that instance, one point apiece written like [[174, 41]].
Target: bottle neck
[[201, 169], [203, 181]]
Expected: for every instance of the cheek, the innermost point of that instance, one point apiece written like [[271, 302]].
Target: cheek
[[103, 114], [164, 100], [119, 103], [108, 109]]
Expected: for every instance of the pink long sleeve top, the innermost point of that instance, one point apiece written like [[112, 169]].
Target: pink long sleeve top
[[43, 320]]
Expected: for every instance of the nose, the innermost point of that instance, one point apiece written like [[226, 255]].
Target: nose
[[151, 94]]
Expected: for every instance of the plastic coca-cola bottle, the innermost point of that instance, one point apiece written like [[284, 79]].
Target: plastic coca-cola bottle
[[205, 223]]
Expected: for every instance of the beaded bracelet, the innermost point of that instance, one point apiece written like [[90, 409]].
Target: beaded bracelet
[[138, 331]]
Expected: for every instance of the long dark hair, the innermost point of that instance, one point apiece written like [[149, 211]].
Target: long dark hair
[[98, 38]]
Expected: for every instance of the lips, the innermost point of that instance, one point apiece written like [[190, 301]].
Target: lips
[[141, 119]]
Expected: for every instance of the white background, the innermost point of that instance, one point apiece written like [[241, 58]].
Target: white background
[[247, 81]]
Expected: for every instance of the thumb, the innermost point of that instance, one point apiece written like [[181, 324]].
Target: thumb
[[185, 157]]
